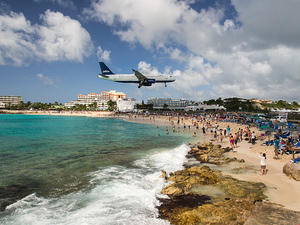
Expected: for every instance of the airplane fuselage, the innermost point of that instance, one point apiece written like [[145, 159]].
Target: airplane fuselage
[[131, 78], [137, 77]]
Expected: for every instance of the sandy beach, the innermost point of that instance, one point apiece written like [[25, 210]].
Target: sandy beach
[[61, 113], [281, 189]]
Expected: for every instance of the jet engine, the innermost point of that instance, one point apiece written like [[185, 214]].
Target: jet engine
[[149, 82]]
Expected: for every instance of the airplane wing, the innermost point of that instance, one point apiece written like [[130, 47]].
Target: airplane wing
[[140, 76]]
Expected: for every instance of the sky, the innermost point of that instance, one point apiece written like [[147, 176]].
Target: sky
[[50, 49]]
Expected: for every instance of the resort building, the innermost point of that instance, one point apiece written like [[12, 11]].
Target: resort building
[[160, 103], [2, 105], [114, 95], [262, 101], [10, 100], [126, 105], [204, 107], [101, 99]]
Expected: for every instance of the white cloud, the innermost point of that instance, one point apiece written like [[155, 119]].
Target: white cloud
[[259, 57], [57, 38], [45, 80], [103, 55]]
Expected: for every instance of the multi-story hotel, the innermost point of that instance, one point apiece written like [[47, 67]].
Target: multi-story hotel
[[10, 100], [169, 102], [126, 105], [101, 99]]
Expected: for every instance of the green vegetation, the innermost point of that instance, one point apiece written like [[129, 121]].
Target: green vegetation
[[36, 106], [236, 104], [165, 107], [240, 104], [144, 106], [112, 106], [282, 105], [51, 106]]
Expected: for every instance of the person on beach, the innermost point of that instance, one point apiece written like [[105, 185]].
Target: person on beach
[[253, 138], [203, 130], [276, 146], [228, 130], [215, 135], [231, 141], [241, 135], [221, 137], [167, 131], [263, 164]]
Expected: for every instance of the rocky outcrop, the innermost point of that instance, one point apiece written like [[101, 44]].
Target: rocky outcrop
[[164, 174], [201, 195], [293, 170], [11, 194], [209, 153], [269, 214], [216, 199]]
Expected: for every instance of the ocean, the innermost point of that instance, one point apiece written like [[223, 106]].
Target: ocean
[[84, 170]]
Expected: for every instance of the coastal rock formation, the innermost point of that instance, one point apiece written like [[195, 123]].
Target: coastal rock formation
[[11, 194], [269, 214], [201, 195], [292, 170], [224, 212], [209, 153], [221, 199], [164, 174]]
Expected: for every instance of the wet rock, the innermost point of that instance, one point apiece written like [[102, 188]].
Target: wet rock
[[164, 175], [209, 153], [201, 195], [224, 212], [269, 214], [180, 203], [293, 170], [191, 163], [12, 193]]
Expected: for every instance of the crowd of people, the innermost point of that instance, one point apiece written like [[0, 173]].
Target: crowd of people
[[211, 125]]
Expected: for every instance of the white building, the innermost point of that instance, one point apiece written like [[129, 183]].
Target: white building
[[159, 103], [2, 105], [10, 100], [101, 99], [204, 107], [126, 105]]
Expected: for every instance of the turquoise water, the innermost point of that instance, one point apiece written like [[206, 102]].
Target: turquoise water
[[85, 170], [54, 154]]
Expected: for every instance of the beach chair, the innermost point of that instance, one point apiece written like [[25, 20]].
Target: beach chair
[[291, 125], [285, 135]]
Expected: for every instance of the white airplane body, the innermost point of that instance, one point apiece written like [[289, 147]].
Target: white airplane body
[[136, 77]]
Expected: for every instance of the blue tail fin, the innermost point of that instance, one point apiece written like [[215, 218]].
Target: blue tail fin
[[104, 69]]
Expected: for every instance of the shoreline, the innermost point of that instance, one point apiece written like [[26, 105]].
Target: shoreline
[[60, 113], [275, 180], [280, 189]]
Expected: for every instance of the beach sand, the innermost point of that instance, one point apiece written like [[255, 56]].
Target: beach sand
[[281, 189]]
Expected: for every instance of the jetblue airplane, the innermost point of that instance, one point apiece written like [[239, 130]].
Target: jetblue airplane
[[137, 77]]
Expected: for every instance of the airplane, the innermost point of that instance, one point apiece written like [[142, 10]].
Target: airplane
[[137, 77]]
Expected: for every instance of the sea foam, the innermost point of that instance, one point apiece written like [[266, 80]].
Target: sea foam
[[117, 195]]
